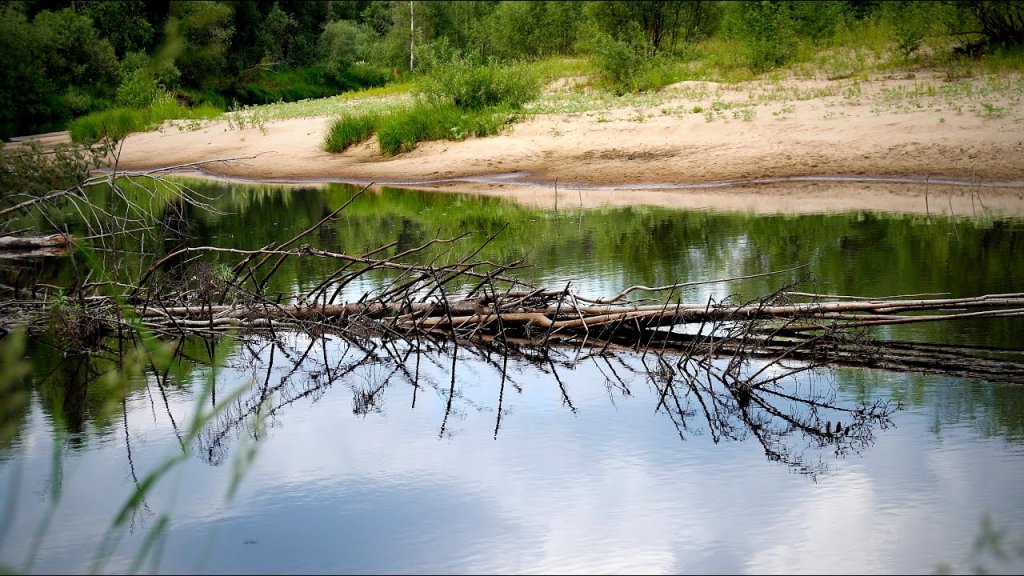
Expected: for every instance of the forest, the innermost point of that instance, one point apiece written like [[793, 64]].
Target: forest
[[67, 59]]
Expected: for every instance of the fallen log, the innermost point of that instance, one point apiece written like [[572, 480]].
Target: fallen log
[[460, 314], [30, 246], [30, 242]]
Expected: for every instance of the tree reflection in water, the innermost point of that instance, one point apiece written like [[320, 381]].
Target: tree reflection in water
[[790, 408]]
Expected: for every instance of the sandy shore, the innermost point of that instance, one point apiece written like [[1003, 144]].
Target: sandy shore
[[910, 143]]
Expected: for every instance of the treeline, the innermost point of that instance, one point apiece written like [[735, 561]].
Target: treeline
[[66, 58]]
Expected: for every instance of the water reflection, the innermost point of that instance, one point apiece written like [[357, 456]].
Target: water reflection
[[394, 456], [791, 409]]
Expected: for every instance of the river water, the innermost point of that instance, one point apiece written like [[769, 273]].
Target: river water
[[566, 464]]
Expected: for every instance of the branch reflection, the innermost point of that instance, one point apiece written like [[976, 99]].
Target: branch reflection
[[792, 409]]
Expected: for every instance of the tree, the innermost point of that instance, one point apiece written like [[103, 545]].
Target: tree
[[205, 30], [342, 44], [73, 52], [658, 19], [1000, 22], [272, 37], [516, 29], [769, 29], [25, 89], [123, 23]]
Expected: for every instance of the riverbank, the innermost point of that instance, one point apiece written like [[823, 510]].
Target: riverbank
[[904, 142]]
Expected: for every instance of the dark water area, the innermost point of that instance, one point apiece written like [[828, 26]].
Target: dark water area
[[570, 463]]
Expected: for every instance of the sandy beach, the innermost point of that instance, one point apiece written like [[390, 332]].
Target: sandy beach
[[910, 142]]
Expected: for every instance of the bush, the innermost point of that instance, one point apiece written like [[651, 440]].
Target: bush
[[400, 131], [472, 86], [114, 124], [138, 89], [362, 75], [629, 67], [768, 29]]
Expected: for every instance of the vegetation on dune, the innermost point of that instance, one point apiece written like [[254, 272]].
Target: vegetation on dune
[[126, 66]]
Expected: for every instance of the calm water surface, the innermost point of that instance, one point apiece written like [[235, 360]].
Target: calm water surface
[[567, 466]]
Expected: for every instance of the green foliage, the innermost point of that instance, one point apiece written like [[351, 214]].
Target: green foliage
[[658, 24], [530, 29], [1006, 58], [14, 388], [630, 66], [349, 130], [123, 23], [342, 44], [400, 131], [285, 86], [73, 51], [1001, 22], [365, 75], [273, 34], [116, 123], [25, 89], [469, 85], [32, 171], [54, 67], [203, 30], [310, 82], [768, 29], [63, 63], [910, 23], [113, 124], [138, 90]]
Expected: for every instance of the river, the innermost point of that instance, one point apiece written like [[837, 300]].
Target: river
[[326, 458]]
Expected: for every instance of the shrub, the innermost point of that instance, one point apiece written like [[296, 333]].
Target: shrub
[[138, 89], [473, 86], [628, 66], [768, 29], [115, 124], [363, 75]]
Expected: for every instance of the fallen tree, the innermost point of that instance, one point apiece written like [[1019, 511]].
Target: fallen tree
[[465, 299], [741, 366]]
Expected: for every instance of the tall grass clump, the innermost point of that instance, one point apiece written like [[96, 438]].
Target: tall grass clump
[[116, 123], [400, 131], [350, 130], [459, 97]]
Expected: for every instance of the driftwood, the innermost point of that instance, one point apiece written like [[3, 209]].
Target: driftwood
[[466, 299], [31, 246]]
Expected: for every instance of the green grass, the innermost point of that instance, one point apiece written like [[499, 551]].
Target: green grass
[[555, 67], [401, 130], [309, 82], [116, 123], [349, 130]]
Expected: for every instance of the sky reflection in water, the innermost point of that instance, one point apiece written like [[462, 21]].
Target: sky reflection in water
[[610, 488], [606, 488]]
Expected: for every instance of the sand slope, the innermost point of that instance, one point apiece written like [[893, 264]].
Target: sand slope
[[918, 125]]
